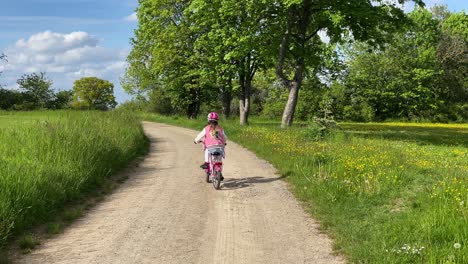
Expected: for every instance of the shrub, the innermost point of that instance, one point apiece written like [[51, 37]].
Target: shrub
[[319, 128]]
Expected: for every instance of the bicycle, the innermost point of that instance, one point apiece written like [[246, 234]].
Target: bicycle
[[214, 172], [215, 165]]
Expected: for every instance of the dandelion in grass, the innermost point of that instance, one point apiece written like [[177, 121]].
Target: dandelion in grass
[[457, 245], [407, 249]]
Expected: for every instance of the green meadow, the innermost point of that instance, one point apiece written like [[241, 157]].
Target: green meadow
[[386, 193], [48, 159]]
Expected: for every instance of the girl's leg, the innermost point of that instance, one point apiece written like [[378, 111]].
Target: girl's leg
[[205, 165]]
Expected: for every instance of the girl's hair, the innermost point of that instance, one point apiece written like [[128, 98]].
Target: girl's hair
[[213, 125]]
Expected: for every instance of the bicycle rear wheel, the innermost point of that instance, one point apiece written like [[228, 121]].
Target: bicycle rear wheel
[[217, 180]]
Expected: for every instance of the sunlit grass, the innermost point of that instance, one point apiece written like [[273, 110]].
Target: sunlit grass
[[432, 134], [383, 199], [50, 158]]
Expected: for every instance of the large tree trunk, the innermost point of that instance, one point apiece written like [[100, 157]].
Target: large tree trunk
[[293, 86], [245, 81], [226, 98], [244, 105], [244, 109], [193, 109], [289, 109], [298, 18]]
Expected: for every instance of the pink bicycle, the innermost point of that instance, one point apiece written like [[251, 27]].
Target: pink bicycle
[[214, 172]]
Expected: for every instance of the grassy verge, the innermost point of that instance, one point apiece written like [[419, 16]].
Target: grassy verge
[[383, 198], [51, 158]]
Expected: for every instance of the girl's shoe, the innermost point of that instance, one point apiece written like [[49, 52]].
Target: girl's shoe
[[204, 166]]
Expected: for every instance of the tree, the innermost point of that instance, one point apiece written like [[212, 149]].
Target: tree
[[163, 56], [9, 98], [233, 42], [38, 87], [93, 93], [205, 19], [440, 12], [398, 81], [421, 73], [370, 21], [62, 100], [452, 54]]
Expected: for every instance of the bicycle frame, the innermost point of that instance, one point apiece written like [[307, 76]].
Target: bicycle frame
[[215, 168], [216, 163]]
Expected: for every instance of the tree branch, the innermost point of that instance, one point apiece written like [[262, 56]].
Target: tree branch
[[282, 53], [313, 34]]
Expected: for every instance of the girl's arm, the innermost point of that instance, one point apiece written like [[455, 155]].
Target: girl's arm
[[200, 136]]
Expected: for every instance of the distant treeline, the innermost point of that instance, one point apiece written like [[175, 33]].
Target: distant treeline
[[35, 92]]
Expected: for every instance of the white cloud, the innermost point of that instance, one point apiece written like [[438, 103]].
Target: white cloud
[[132, 18], [64, 57], [50, 42], [323, 36]]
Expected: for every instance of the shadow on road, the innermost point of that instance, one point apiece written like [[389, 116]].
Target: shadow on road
[[232, 184]]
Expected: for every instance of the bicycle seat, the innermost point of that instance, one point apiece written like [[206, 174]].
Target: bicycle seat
[[216, 153]]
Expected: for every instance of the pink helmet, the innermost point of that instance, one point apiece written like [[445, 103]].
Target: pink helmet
[[213, 116]]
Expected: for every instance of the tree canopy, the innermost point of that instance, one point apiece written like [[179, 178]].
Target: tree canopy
[[420, 74], [93, 93], [37, 87], [358, 60], [35, 93]]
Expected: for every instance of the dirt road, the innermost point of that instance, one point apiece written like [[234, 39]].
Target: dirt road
[[167, 213]]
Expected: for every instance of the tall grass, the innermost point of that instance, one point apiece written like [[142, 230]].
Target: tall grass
[[384, 199], [50, 158]]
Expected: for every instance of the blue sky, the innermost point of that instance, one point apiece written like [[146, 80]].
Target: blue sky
[[70, 39], [103, 18], [453, 5]]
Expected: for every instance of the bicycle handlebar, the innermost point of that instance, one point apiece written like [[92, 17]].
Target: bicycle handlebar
[[195, 142]]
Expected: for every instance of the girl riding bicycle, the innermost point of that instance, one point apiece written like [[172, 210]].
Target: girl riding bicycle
[[213, 137]]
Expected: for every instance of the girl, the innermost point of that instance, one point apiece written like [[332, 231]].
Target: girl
[[214, 137]]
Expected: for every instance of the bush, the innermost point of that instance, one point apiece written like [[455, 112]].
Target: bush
[[461, 113], [133, 105], [320, 128], [159, 102], [273, 110], [440, 118], [360, 112]]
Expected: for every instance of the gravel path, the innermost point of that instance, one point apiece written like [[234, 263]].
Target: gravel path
[[166, 213]]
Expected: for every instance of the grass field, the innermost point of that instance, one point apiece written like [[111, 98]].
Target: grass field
[[387, 193], [48, 159], [15, 119]]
